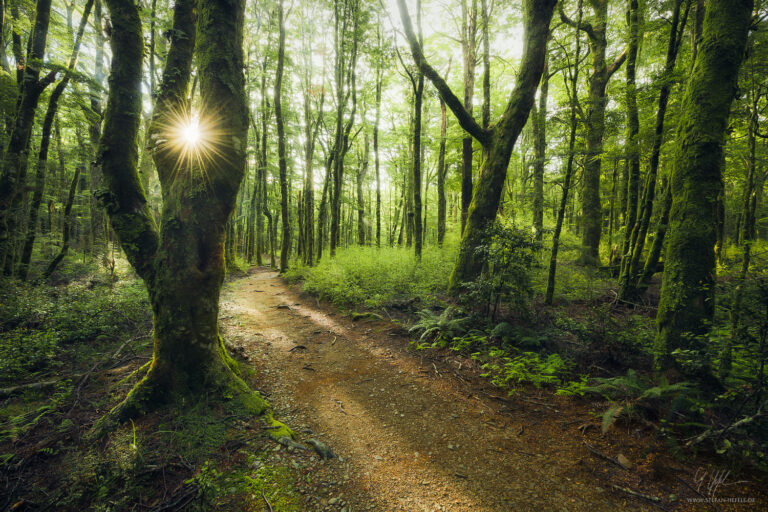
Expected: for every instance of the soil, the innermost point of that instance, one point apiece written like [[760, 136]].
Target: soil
[[423, 431]]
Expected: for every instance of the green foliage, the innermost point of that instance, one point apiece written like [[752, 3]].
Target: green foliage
[[37, 322], [633, 396], [524, 368], [511, 255], [378, 278], [442, 327]]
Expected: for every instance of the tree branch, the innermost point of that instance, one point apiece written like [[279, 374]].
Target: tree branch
[[584, 26], [465, 119], [617, 63]]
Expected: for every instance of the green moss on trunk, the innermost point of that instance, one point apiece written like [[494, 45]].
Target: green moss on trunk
[[688, 288]]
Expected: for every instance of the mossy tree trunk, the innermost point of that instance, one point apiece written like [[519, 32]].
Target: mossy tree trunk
[[633, 147], [688, 288], [182, 264], [499, 139]]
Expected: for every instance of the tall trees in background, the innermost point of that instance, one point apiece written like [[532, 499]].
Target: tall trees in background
[[499, 139], [573, 74], [591, 207], [687, 300], [346, 38], [16, 157], [281, 161]]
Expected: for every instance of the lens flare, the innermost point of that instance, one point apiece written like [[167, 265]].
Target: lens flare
[[191, 138]]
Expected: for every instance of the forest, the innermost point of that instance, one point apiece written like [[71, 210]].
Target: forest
[[383, 255]]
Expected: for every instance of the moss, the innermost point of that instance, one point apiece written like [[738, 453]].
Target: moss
[[687, 304]]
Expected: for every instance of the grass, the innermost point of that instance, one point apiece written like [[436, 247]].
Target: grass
[[378, 278]]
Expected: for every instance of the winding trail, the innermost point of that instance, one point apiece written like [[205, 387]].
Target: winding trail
[[413, 433]]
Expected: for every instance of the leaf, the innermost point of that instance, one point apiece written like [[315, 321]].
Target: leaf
[[610, 416]]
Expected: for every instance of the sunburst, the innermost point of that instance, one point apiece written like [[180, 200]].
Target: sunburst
[[192, 138]]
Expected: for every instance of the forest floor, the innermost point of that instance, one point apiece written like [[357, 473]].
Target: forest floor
[[413, 430], [422, 431]]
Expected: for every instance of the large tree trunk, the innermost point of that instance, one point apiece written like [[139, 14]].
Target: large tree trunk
[[183, 265], [687, 303]]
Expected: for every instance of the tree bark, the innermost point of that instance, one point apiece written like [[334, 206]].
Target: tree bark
[[687, 297], [183, 265]]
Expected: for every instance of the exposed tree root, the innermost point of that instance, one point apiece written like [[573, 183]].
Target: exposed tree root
[[156, 389]]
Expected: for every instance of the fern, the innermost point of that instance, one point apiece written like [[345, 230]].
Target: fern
[[434, 326]]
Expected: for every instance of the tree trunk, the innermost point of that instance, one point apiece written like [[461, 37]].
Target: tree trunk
[[592, 211], [182, 266], [441, 169], [282, 166], [362, 171], [539, 118], [66, 230], [550, 293], [498, 140], [687, 297], [469, 52], [633, 149], [629, 286]]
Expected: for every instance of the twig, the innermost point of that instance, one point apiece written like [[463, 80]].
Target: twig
[[602, 455], [653, 499], [269, 505]]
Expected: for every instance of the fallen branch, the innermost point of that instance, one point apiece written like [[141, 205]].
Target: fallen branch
[[718, 433], [655, 500], [602, 455]]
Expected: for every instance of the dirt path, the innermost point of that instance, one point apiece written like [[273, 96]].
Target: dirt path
[[411, 434]]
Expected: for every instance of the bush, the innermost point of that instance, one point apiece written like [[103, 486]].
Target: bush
[[511, 255]]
